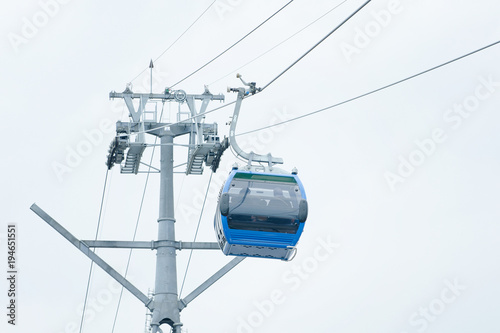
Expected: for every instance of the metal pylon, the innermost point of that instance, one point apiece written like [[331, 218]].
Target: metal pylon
[[165, 305]]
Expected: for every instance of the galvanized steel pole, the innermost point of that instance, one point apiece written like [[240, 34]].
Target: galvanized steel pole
[[166, 306]]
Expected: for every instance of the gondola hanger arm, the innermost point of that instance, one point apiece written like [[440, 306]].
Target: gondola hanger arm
[[252, 156]]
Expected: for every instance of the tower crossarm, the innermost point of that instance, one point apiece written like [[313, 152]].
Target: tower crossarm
[[178, 95]]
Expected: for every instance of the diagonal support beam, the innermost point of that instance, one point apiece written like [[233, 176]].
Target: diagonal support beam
[[220, 273], [94, 257]]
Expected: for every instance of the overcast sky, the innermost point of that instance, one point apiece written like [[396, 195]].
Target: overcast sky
[[403, 185]]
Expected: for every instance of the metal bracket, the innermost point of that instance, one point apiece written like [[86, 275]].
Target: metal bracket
[[250, 157], [215, 161]]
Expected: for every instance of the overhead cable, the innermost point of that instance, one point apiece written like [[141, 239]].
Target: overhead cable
[[92, 263], [373, 91], [175, 41], [196, 233], [283, 41], [136, 224], [295, 62], [233, 45], [315, 45]]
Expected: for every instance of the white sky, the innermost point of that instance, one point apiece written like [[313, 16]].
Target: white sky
[[397, 252]]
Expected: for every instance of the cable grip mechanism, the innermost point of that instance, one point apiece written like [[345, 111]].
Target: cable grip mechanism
[[252, 87]]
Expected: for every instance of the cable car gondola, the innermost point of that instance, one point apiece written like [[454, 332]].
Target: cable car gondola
[[260, 214], [261, 209]]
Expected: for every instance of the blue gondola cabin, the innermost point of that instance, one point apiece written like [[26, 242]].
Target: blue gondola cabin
[[260, 214]]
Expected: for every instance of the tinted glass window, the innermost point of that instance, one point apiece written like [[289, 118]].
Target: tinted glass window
[[264, 205]]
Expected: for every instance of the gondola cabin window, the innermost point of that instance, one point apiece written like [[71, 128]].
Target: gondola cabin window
[[264, 203]]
